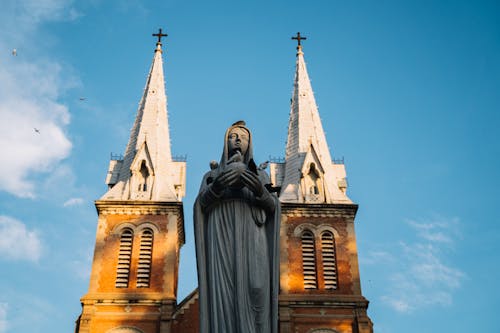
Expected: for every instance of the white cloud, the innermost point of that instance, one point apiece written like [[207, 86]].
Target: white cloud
[[73, 202], [421, 276], [46, 10], [397, 304], [437, 230], [3, 317], [376, 257], [28, 312], [17, 242], [25, 150], [27, 14], [29, 96]]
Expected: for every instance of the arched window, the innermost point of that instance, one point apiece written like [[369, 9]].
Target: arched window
[[309, 260], [144, 174], [313, 175], [124, 257], [145, 256], [329, 260]]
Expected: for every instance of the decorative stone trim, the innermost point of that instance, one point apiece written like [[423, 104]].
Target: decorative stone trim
[[117, 230], [125, 329], [136, 228], [108, 207], [317, 230], [319, 210], [136, 207], [322, 330], [186, 303], [327, 301], [131, 297]]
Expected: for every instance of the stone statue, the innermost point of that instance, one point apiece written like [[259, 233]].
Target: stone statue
[[236, 222]]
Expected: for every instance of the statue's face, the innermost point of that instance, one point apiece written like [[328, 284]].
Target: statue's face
[[237, 140]]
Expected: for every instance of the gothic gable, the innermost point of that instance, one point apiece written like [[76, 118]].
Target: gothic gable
[[312, 178]]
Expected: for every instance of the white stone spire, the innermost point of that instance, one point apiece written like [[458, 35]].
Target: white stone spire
[[308, 174], [147, 171]]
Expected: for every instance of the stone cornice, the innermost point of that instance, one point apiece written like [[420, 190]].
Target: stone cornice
[[319, 210], [336, 301], [136, 207], [124, 298]]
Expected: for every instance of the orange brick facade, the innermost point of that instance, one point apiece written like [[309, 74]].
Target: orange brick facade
[[149, 310], [155, 309], [303, 310], [294, 262], [186, 317]]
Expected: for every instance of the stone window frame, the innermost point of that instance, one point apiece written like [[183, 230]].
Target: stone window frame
[[124, 261], [310, 276], [136, 228], [145, 258], [329, 261], [318, 231], [137, 232]]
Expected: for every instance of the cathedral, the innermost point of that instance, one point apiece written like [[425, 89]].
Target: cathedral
[[140, 229]]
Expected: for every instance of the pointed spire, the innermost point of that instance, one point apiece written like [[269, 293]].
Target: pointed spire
[[148, 160], [305, 125], [306, 144]]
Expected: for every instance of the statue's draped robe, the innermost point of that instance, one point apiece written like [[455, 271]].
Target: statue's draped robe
[[237, 255]]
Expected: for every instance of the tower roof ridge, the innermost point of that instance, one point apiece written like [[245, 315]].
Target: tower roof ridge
[[305, 125]]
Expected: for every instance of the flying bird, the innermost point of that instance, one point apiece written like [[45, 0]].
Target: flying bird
[[14, 52], [36, 130], [82, 98]]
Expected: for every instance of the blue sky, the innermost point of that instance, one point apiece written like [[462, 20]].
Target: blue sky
[[408, 92]]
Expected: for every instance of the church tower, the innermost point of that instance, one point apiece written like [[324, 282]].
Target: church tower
[[140, 227], [320, 287]]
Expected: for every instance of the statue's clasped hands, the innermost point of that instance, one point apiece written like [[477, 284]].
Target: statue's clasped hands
[[231, 177], [224, 179], [252, 181]]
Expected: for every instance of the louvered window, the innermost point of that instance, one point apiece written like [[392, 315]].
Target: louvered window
[[309, 260], [124, 257], [145, 255], [329, 260]]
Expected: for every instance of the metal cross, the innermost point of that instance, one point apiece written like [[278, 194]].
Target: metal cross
[[298, 38], [159, 35]]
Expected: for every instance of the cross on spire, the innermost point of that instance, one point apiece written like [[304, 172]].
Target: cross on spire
[[159, 35], [298, 38]]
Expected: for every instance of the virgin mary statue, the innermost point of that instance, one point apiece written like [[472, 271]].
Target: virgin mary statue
[[236, 223]]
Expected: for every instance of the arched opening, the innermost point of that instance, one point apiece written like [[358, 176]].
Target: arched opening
[[329, 260], [143, 177], [312, 183], [309, 260], [145, 258], [124, 259]]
